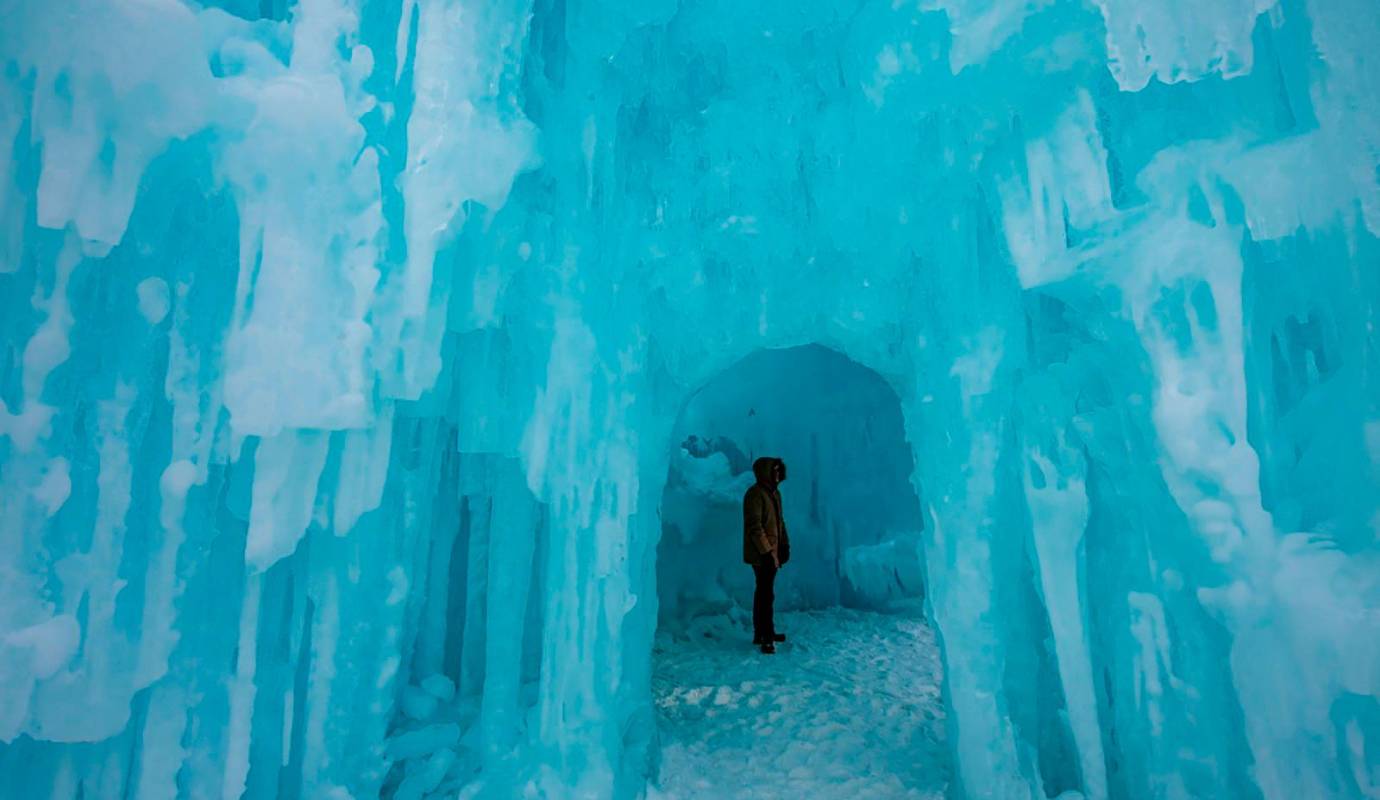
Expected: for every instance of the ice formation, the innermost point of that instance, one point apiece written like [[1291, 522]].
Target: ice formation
[[350, 348]]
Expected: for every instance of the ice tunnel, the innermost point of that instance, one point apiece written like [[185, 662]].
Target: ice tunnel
[[351, 351]]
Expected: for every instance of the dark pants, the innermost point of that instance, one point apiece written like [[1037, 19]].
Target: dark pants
[[763, 598]]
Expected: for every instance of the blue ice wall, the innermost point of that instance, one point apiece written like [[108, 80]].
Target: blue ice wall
[[344, 343]]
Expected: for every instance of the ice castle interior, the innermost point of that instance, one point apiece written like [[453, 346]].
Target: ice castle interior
[[378, 380]]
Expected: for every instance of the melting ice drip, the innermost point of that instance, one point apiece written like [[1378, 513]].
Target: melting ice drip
[[344, 342]]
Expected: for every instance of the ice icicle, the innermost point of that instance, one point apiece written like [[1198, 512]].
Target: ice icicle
[[465, 143], [286, 470]]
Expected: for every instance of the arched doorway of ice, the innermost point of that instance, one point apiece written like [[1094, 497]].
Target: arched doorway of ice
[[852, 700]]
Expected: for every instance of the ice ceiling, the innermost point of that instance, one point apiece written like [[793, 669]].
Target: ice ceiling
[[344, 343]]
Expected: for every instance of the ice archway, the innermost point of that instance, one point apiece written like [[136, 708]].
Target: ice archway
[[342, 340], [855, 517]]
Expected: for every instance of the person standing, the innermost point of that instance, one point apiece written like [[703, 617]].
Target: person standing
[[765, 546]]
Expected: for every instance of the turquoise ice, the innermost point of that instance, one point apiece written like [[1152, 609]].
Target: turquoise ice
[[350, 352]]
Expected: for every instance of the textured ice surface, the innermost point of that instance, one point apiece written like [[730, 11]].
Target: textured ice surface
[[344, 345]]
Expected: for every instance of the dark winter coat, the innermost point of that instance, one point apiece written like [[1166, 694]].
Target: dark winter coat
[[764, 526]]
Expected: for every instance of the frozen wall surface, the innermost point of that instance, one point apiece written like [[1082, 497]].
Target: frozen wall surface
[[342, 344]]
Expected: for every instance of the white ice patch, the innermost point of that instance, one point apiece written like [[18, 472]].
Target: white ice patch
[[55, 487], [308, 193], [981, 27], [1065, 187], [1179, 40], [286, 470], [153, 299], [976, 370], [461, 146], [51, 643], [114, 84], [364, 464]]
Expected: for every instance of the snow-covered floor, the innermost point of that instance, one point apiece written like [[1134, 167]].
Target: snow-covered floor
[[849, 707]]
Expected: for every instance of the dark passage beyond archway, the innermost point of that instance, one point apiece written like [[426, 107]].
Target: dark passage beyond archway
[[853, 514]]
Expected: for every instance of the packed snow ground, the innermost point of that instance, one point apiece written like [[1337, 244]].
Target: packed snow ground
[[849, 707]]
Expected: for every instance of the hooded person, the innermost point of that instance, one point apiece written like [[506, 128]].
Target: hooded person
[[766, 546]]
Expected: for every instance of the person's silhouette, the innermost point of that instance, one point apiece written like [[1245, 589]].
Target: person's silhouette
[[765, 546]]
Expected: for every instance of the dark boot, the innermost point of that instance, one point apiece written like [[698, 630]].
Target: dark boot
[[768, 648]]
